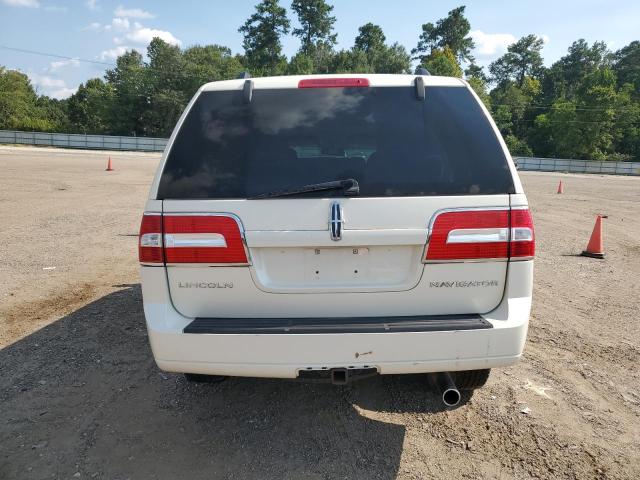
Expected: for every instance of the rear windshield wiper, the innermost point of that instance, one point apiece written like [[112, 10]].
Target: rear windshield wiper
[[349, 185]]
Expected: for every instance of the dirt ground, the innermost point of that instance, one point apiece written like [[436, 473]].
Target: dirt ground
[[80, 395]]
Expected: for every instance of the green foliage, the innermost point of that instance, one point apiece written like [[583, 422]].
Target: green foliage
[[523, 59], [627, 65], [262, 32], [479, 86], [442, 61], [89, 108], [517, 146], [370, 38], [451, 32], [567, 74], [585, 105], [22, 109], [316, 24], [380, 57]]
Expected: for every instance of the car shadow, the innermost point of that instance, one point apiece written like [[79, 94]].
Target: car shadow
[[84, 396]]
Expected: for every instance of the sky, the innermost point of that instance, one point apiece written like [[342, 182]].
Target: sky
[[99, 30]]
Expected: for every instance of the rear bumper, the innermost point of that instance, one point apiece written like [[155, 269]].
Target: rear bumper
[[285, 354]]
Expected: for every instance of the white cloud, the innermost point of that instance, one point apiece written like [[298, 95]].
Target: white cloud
[[56, 8], [144, 35], [545, 38], [491, 44], [120, 24], [132, 12], [117, 24], [113, 53], [92, 5], [22, 3], [63, 92], [51, 86], [72, 62], [47, 82], [95, 26]]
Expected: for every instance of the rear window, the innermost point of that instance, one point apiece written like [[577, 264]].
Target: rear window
[[386, 139]]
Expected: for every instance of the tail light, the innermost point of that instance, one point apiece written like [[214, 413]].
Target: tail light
[[333, 82], [150, 240], [467, 235], [193, 238]]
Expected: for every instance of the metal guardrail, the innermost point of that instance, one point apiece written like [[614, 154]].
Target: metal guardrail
[[73, 140], [149, 144], [577, 166]]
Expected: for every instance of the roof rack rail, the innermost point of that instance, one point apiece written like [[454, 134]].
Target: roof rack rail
[[244, 75], [422, 71]]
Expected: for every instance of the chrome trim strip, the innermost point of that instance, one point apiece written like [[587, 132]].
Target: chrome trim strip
[[200, 265], [478, 235], [521, 259], [194, 240], [469, 260]]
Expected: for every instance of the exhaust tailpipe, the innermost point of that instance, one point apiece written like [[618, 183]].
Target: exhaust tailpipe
[[444, 384]]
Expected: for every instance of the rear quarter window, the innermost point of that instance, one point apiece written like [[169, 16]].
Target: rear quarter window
[[386, 139]]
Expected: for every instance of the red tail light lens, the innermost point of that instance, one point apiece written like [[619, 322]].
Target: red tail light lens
[[150, 239], [212, 239], [523, 241], [333, 82], [481, 234]]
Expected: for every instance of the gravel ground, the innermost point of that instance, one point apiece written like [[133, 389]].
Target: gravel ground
[[80, 395]]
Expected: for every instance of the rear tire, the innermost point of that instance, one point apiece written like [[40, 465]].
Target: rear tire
[[471, 379], [200, 378]]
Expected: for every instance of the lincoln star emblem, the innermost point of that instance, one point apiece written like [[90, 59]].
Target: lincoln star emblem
[[336, 219]]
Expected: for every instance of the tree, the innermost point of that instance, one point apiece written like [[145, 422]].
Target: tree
[[300, 64], [316, 24], [442, 61], [22, 109], [522, 59], [131, 93], [451, 32], [583, 127], [565, 76], [370, 38], [262, 32], [209, 63], [627, 65], [90, 107], [351, 61], [475, 71], [380, 58], [478, 81], [512, 108], [627, 123]]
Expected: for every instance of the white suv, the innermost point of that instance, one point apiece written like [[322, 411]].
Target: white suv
[[337, 226]]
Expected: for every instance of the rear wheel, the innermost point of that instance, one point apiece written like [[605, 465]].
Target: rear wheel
[[471, 379], [199, 378]]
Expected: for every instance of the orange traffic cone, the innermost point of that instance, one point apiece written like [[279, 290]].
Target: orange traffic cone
[[594, 248], [109, 167], [560, 187]]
